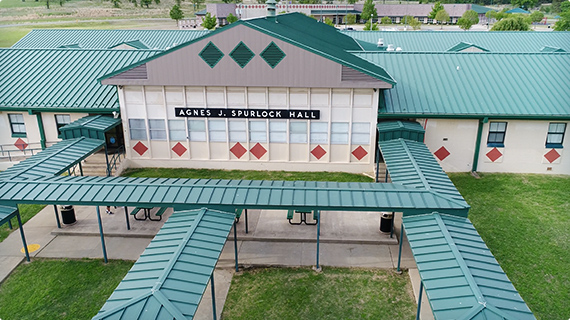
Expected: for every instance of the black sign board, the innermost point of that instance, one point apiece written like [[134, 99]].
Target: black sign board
[[248, 113]]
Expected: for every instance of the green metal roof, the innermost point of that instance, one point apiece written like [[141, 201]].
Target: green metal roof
[[480, 9], [228, 195], [61, 79], [70, 46], [518, 10], [169, 278], [90, 127], [475, 85], [7, 213], [461, 277], [303, 32], [137, 44], [496, 41], [103, 39], [411, 164], [54, 160], [464, 45], [395, 129]]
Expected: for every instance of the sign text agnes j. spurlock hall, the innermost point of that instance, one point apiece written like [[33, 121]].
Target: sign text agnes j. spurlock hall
[[248, 113]]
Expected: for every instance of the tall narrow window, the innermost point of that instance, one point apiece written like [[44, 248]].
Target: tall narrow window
[[217, 130], [555, 136], [319, 132], [61, 120], [197, 130], [277, 131], [157, 129], [496, 136], [17, 125], [237, 131], [137, 129], [298, 132], [339, 133], [361, 133], [257, 131], [177, 130]]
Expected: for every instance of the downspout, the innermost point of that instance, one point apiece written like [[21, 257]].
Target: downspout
[[40, 127], [478, 144]]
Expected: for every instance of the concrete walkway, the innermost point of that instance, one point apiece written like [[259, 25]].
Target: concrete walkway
[[348, 239]]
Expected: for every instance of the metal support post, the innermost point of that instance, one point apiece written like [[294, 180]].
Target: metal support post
[[80, 168], [127, 218], [318, 240], [101, 233], [107, 162], [377, 164], [56, 216], [10, 224], [392, 225], [400, 251], [23, 237], [420, 300], [246, 224], [386, 176], [213, 296], [235, 246]]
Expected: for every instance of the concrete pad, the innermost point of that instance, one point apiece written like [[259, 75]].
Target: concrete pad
[[12, 245], [271, 253], [425, 311], [222, 282], [355, 255], [8, 265], [76, 247]]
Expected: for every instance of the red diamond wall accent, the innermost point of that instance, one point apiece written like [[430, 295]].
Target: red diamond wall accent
[[552, 155], [140, 148], [238, 150], [179, 149], [359, 153], [258, 151], [318, 152], [21, 144], [441, 153], [494, 154]]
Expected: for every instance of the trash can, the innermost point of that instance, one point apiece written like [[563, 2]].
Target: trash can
[[386, 221], [67, 214]]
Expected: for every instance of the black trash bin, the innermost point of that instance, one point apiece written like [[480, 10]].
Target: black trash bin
[[386, 221], [67, 214]]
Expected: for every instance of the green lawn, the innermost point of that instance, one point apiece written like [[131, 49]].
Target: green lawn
[[59, 289], [245, 175], [525, 221], [335, 293], [27, 211]]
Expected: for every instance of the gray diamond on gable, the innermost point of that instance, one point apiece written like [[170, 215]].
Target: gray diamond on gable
[[211, 54], [242, 54], [272, 55]]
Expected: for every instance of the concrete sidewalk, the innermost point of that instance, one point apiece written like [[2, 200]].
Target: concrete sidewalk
[[348, 239]]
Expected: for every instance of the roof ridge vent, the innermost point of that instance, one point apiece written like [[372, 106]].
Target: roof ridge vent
[[380, 43], [390, 47]]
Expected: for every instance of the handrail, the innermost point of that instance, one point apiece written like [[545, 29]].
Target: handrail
[[115, 159], [8, 151]]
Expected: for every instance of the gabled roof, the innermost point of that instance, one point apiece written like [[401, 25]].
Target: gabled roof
[[464, 46], [497, 41], [395, 129], [461, 278], [472, 85], [480, 9], [90, 126], [169, 278], [518, 10], [136, 44], [7, 213], [70, 46], [303, 32], [547, 49], [103, 39], [61, 79]]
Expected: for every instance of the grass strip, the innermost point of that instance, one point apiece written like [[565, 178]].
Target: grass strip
[[60, 289], [334, 293]]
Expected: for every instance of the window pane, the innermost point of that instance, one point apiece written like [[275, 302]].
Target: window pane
[[257, 125], [278, 126], [361, 133], [278, 137], [237, 125], [339, 138], [137, 124], [319, 132], [298, 132], [360, 138], [177, 130], [257, 131], [360, 127], [197, 125], [201, 136], [157, 129], [339, 127], [217, 130], [554, 138], [557, 128], [237, 136], [277, 131], [137, 129], [217, 125]]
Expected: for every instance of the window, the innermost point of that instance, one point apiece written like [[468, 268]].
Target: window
[[237, 131], [339, 133], [297, 132], [361, 133], [157, 129], [319, 132], [61, 120], [197, 130], [277, 131], [217, 130], [17, 125], [137, 129], [555, 135], [496, 134], [257, 131], [177, 130]]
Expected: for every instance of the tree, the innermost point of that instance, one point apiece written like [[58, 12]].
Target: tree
[[464, 23], [209, 22], [525, 4], [536, 16], [512, 23], [157, 1], [351, 18], [555, 7], [231, 18], [442, 16], [490, 15], [468, 19], [386, 20], [329, 22], [176, 13], [565, 6], [146, 3], [352, 1], [369, 11], [196, 4], [415, 23], [435, 9], [369, 26], [563, 24], [116, 3]]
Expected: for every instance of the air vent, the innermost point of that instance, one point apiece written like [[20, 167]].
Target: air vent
[[241, 54], [272, 55], [349, 74], [137, 73], [211, 54]]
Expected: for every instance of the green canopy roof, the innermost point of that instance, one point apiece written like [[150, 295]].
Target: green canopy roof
[[518, 10], [395, 129], [90, 126], [169, 278], [54, 160], [461, 277], [7, 213]]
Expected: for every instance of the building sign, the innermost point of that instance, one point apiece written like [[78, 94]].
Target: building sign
[[248, 113]]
